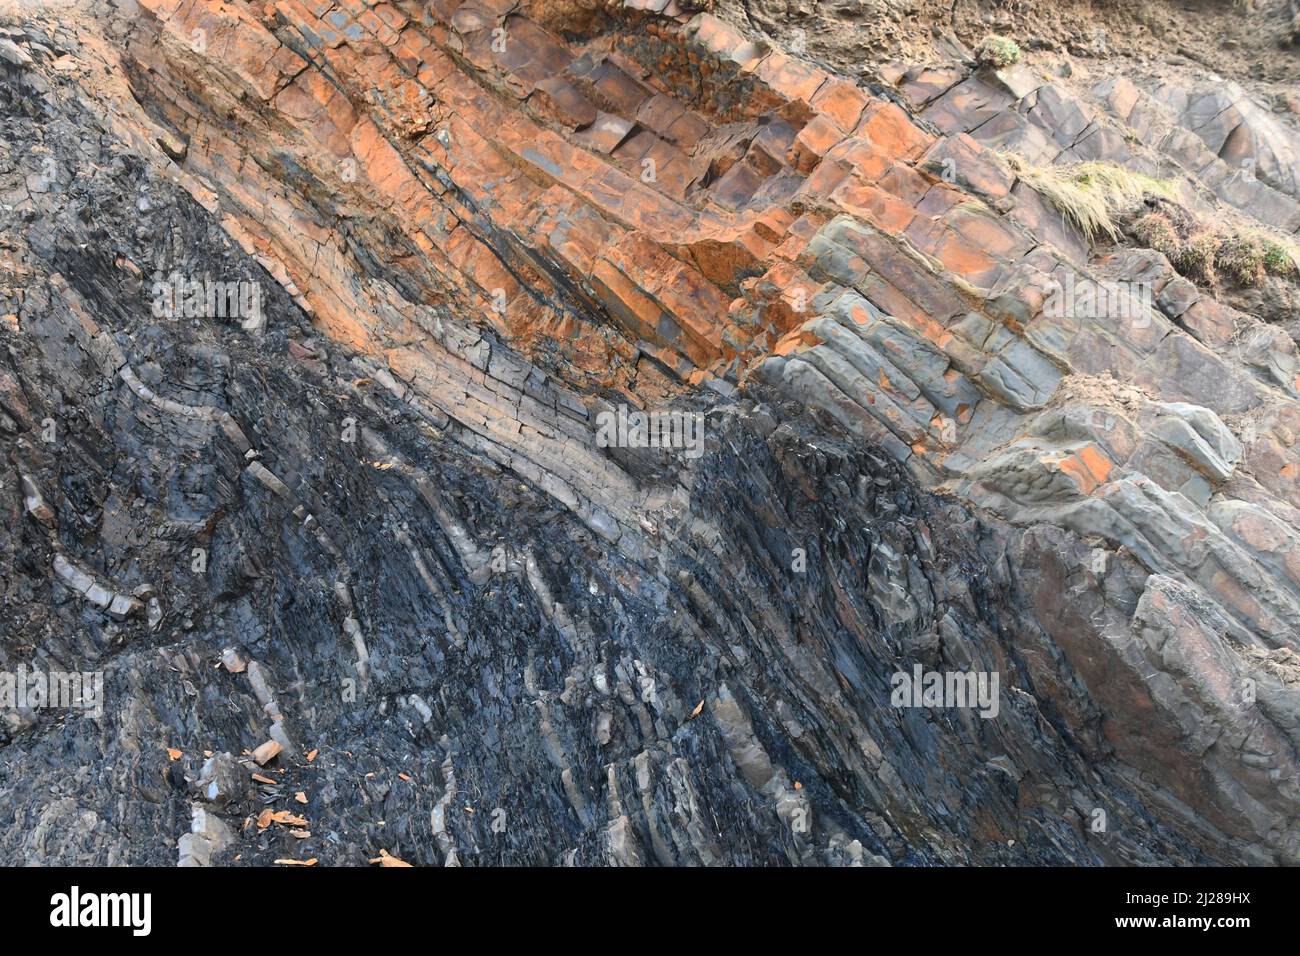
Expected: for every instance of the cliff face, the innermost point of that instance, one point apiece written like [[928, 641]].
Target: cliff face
[[316, 310]]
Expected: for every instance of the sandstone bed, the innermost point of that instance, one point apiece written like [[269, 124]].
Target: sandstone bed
[[375, 526]]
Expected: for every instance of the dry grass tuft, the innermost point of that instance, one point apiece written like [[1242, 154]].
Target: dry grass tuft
[[1243, 257], [1281, 255], [1155, 231], [1091, 195], [1198, 257], [998, 52]]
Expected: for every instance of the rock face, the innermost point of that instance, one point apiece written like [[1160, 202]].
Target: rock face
[[317, 316]]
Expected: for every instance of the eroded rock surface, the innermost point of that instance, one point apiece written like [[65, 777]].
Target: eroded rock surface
[[371, 521]]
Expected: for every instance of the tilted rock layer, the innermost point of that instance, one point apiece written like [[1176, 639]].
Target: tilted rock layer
[[373, 521]]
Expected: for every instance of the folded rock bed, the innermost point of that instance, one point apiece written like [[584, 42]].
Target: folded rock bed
[[374, 525]]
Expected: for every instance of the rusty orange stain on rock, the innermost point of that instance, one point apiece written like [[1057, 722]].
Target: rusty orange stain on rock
[[1087, 466]]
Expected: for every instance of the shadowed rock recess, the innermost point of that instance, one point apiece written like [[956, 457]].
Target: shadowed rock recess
[[367, 582]]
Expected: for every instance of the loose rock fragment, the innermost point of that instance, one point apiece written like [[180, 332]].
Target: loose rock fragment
[[266, 752]]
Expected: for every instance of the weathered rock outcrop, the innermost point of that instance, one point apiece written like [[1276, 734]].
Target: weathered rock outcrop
[[377, 496]]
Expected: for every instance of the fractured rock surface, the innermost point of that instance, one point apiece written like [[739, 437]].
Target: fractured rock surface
[[373, 526]]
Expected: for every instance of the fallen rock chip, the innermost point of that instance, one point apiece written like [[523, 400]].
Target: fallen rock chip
[[35, 503], [266, 753], [220, 779], [387, 859]]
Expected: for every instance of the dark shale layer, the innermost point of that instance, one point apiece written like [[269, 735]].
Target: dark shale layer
[[485, 650]]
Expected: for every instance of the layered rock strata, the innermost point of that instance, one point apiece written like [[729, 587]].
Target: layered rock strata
[[385, 500]]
